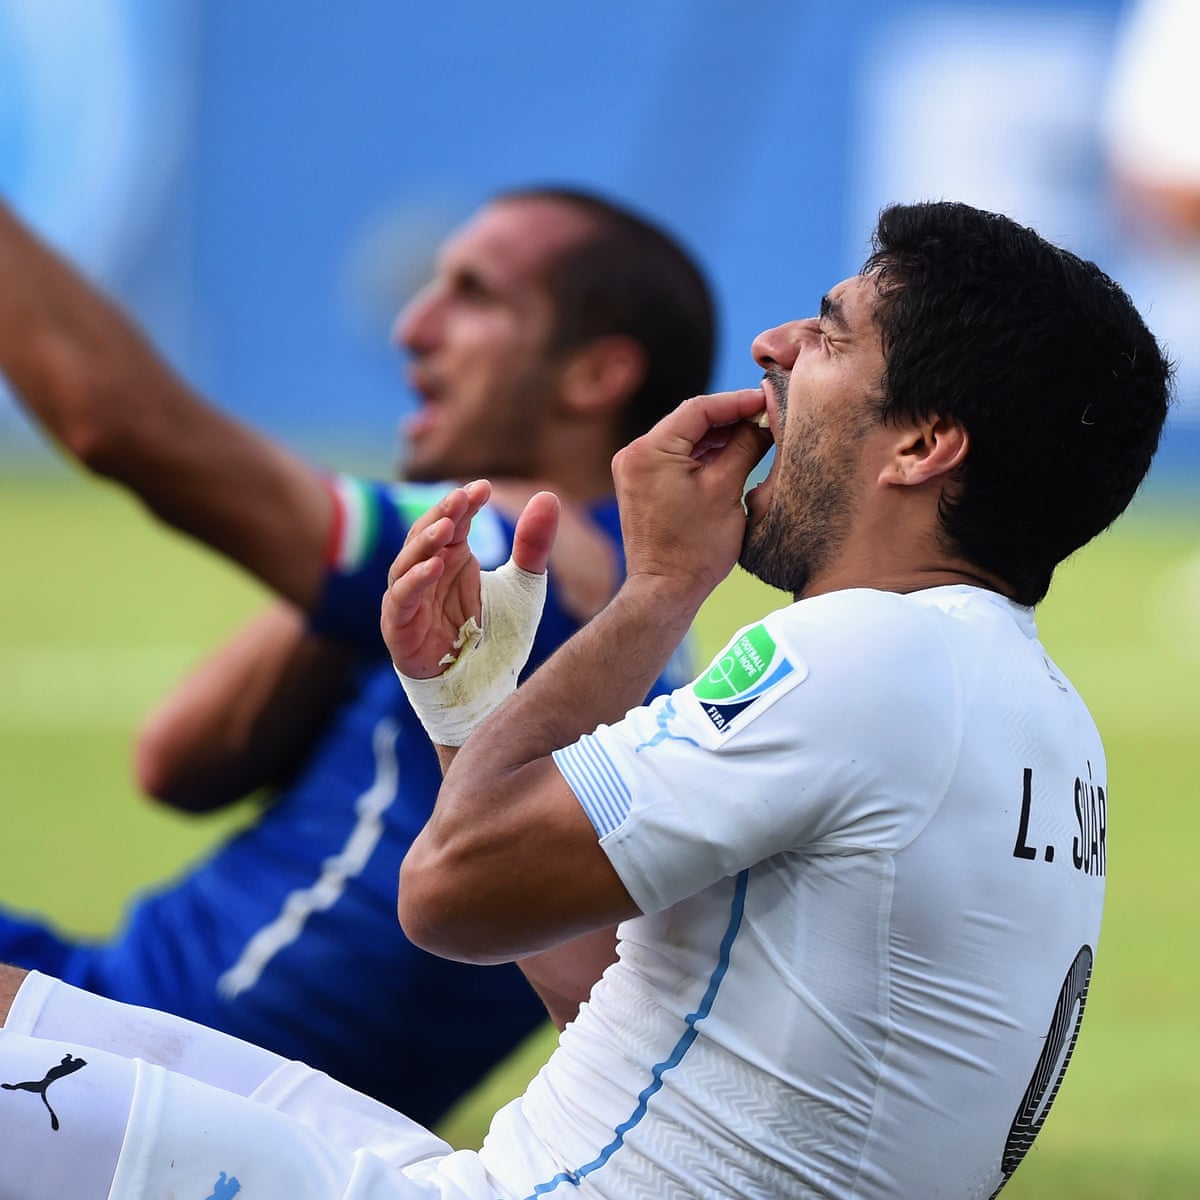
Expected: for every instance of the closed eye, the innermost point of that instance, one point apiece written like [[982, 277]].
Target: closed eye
[[470, 285], [832, 313]]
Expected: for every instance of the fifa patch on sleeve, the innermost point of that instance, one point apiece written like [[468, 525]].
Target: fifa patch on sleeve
[[749, 674]]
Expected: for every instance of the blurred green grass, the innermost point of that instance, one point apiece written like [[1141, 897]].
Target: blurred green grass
[[102, 610]]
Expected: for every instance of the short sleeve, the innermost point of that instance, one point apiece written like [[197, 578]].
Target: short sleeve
[[831, 726]]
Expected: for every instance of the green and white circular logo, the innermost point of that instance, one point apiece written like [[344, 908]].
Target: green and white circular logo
[[737, 670]]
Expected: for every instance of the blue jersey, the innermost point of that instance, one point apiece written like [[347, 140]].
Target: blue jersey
[[286, 935]]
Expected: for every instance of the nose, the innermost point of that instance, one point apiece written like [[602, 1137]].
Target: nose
[[778, 347], [417, 324]]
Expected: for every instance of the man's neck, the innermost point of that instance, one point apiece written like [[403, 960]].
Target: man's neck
[[907, 579]]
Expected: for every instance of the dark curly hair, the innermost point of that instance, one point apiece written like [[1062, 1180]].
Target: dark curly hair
[[1045, 363]]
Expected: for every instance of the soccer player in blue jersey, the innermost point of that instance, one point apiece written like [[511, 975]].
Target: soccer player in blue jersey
[[556, 327]]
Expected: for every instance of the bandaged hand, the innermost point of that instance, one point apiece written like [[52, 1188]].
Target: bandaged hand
[[483, 668], [428, 613]]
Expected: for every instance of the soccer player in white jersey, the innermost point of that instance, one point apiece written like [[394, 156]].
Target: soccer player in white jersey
[[855, 869]]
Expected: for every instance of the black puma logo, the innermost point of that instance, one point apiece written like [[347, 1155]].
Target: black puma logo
[[68, 1066]]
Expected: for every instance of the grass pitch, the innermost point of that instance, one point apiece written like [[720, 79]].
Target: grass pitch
[[101, 611]]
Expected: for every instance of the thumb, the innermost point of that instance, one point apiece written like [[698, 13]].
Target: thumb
[[536, 529]]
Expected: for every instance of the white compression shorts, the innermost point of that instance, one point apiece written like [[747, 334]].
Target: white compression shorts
[[84, 1120]]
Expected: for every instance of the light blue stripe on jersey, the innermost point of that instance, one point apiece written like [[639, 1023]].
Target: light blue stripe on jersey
[[737, 908], [595, 780]]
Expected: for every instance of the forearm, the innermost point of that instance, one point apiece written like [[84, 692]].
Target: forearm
[[596, 677], [86, 374], [506, 833], [564, 976], [242, 720], [60, 339]]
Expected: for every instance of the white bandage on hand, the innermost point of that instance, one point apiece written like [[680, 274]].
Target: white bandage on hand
[[487, 660]]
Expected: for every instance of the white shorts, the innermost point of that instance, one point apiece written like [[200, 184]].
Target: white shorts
[[186, 1138], [94, 1122]]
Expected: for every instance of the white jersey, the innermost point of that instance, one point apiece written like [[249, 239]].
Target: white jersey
[[869, 844]]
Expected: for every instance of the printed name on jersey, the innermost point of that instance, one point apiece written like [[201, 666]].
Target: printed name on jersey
[[746, 675], [1089, 849]]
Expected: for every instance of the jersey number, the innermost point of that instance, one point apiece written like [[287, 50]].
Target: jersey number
[[1051, 1065]]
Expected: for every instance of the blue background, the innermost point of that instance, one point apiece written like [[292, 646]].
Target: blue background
[[263, 184]]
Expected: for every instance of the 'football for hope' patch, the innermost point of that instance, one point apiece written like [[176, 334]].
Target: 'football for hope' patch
[[750, 668]]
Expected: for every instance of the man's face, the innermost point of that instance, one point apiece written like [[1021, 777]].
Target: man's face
[[823, 381], [477, 336]]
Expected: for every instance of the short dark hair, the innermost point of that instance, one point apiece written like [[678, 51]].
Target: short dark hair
[[630, 277], [1044, 362]]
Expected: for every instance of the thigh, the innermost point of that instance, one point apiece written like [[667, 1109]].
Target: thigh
[[63, 1110], [186, 1138], [45, 1007]]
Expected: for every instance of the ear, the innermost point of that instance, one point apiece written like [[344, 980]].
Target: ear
[[602, 375], [928, 451]]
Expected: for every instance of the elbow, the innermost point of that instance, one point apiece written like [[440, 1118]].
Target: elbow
[[421, 910], [441, 915], [89, 442], [102, 441], [154, 772], [156, 766], [92, 431], [161, 776], [98, 416], [68, 385]]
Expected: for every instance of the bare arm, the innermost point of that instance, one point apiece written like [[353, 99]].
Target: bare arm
[[564, 976], [507, 832], [88, 376], [242, 720], [421, 617]]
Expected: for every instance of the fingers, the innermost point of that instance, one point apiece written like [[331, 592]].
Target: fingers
[[446, 524], [459, 505], [680, 489], [742, 446], [536, 528], [407, 591], [477, 495], [716, 433], [694, 419], [735, 448], [433, 584]]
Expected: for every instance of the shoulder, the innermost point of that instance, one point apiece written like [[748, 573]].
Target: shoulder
[[845, 631], [941, 624], [838, 663], [838, 672]]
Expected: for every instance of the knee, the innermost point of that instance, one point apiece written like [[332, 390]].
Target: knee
[[11, 979]]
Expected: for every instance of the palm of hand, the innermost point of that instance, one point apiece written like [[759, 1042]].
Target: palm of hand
[[421, 629], [433, 585]]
